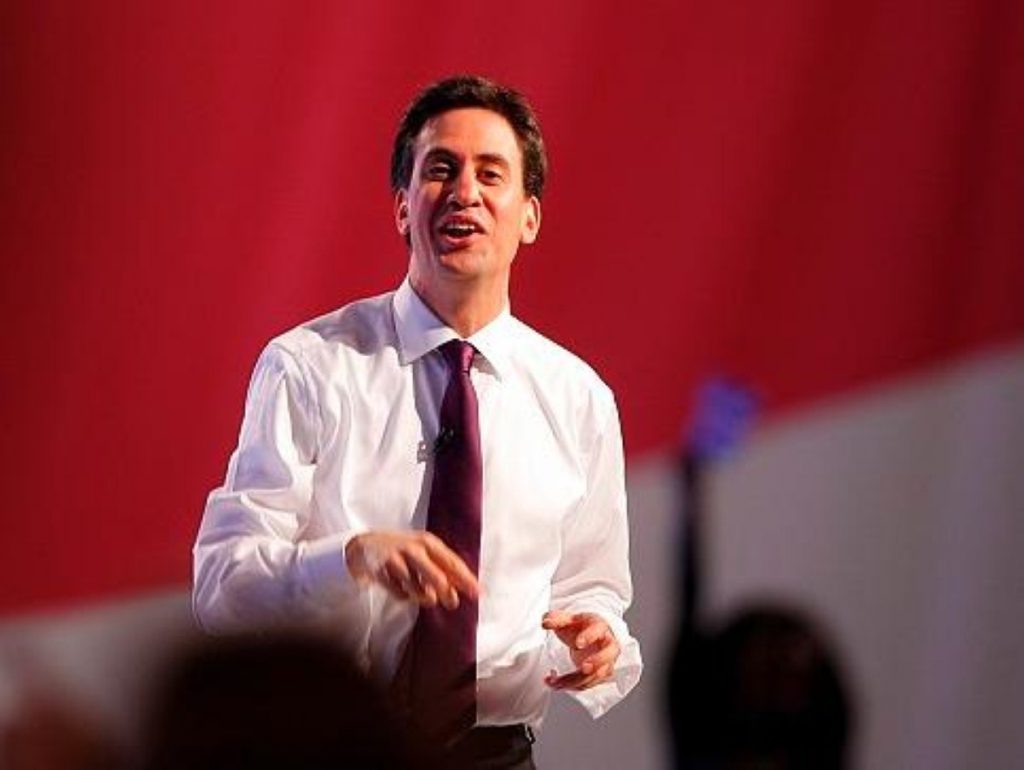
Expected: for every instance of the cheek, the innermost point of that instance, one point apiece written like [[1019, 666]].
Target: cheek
[[419, 214], [507, 212], [516, 218]]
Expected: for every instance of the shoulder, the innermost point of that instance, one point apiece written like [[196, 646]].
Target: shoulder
[[333, 349], [362, 327], [558, 372], [535, 351]]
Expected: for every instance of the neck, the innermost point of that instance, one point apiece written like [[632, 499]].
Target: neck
[[464, 306]]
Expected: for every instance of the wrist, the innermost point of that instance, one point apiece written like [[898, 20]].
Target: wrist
[[353, 557]]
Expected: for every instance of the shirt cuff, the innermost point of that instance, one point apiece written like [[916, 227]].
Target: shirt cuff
[[322, 568], [599, 699]]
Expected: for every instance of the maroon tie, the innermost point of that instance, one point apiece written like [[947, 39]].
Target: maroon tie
[[439, 664]]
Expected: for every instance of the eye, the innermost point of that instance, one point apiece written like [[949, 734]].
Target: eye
[[491, 176], [438, 170]]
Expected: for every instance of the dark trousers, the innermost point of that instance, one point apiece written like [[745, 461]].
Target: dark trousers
[[505, 747]]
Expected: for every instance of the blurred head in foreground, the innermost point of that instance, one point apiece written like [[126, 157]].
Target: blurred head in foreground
[[279, 701], [763, 692], [47, 733]]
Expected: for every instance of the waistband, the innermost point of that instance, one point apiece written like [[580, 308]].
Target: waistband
[[487, 741]]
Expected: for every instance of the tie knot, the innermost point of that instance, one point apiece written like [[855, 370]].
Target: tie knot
[[459, 355]]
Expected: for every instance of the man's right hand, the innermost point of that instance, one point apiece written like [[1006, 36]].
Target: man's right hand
[[417, 566]]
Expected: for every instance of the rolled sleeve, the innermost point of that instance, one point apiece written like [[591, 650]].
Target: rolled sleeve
[[593, 574], [251, 567]]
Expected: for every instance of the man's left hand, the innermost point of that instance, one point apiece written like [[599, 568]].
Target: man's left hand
[[592, 646]]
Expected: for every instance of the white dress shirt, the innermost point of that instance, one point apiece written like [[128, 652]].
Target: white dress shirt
[[340, 419]]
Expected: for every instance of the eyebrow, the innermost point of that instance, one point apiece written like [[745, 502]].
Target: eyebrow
[[484, 157]]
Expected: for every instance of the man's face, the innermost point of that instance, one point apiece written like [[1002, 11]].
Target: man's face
[[465, 211]]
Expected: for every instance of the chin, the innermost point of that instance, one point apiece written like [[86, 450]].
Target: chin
[[462, 261]]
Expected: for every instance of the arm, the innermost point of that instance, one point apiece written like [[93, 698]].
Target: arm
[[253, 567], [250, 567], [590, 645]]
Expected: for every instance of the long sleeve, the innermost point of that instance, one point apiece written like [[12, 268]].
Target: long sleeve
[[339, 419], [252, 565], [593, 574]]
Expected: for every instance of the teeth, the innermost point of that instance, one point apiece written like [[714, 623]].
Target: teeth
[[459, 229]]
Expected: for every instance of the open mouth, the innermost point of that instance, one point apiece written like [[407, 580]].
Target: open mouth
[[458, 229]]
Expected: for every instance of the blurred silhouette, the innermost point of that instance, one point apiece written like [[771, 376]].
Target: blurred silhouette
[[723, 415], [274, 701], [762, 691], [47, 733]]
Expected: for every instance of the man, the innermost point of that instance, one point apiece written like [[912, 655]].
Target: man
[[347, 455]]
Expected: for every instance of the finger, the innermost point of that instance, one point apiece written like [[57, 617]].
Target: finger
[[596, 657], [574, 680], [578, 680], [601, 675], [399, 580], [428, 572], [405, 583], [447, 597], [563, 626], [451, 599], [456, 571], [586, 655], [433, 574], [396, 579], [595, 632], [455, 568], [426, 595], [554, 620], [396, 571]]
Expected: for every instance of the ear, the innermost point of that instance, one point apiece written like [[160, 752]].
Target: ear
[[531, 221], [402, 213]]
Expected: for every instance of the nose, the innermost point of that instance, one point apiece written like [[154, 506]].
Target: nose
[[465, 188]]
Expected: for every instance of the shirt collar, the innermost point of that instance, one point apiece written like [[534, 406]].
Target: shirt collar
[[420, 331]]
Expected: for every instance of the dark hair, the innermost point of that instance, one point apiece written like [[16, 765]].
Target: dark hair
[[471, 91]]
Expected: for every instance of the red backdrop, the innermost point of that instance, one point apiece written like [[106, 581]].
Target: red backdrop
[[809, 196]]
